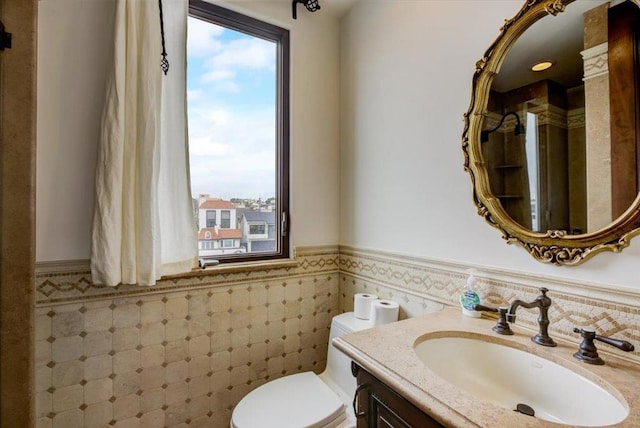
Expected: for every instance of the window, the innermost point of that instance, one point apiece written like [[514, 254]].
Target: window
[[256, 229], [225, 219], [207, 235], [211, 218], [238, 116]]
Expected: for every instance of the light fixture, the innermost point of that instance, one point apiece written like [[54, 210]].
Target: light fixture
[[541, 66], [519, 128], [311, 5]]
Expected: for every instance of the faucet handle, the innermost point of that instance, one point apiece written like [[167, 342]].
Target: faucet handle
[[588, 351], [502, 326]]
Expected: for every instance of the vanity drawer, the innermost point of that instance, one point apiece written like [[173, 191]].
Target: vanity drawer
[[378, 406]]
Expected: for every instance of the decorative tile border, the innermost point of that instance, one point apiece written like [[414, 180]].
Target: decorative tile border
[[611, 311], [63, 282]]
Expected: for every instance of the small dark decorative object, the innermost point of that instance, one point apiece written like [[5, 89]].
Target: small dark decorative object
[[519, 129], [311, 5], [164, 62]]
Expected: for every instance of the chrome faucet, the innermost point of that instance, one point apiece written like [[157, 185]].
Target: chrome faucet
[[543, 303]]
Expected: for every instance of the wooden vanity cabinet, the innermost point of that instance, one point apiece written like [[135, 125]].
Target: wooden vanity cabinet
[[378, 406]]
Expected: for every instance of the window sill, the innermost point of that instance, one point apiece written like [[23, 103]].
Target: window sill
[[240, 267]]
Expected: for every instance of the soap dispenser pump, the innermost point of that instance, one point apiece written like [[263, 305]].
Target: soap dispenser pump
[[469, 299]]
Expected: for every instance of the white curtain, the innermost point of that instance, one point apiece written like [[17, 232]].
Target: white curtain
[[143, 224]]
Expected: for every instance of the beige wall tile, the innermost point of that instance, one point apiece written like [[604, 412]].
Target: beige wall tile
[[152, 399], [126, 315], [66, 348], [199, 366], [43, 353], [128, 423], [67, 373], [99, 390], [44, 404], [44, 423], [152, 334], [220, 301], [177, 350], [43, 378], [176, 308], [199, 305], [152, 355], [152, 419], [176, 329], [151, 312], [126, 361], [98, 319], [176, 414], [67, 324], [275, 293], [127, 383], [220, 361], [98, 414], [69, 419], [152, 377], [98, 367], [199, 345], [198, 386], [68, 397], [176, 394], [43, 327], [199, 325], [126, 407], [97, 343], [258, 296], [177, 371], [126, 338]]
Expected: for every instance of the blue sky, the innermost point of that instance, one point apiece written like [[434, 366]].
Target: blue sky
[[231, 109]]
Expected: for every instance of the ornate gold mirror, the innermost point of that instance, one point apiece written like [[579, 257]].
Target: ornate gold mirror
[[552, 135]]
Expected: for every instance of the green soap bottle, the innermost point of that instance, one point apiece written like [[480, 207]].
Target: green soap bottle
[[470, 298]]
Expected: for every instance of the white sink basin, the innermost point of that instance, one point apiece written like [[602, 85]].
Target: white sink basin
[[508, 376]]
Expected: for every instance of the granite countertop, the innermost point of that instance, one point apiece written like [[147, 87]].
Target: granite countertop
[[387, 353]]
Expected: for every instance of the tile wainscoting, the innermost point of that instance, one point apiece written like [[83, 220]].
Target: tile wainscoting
[[183, 353]]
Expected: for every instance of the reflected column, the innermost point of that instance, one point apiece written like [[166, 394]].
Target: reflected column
[[597, 116]]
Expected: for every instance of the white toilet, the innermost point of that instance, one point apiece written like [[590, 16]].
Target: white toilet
[[306, 400]]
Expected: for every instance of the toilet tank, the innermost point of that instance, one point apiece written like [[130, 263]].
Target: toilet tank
[[338, 364]]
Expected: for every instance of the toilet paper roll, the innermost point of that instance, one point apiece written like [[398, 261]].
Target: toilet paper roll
[[362, 305], [384, 312]]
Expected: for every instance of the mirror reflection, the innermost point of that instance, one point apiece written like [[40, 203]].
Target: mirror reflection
[[559, 136]]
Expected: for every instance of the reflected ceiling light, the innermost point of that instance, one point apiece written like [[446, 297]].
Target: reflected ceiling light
[[541, 66]]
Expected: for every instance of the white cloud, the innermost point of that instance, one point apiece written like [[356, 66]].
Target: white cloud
[[232, 153], [202, 38]]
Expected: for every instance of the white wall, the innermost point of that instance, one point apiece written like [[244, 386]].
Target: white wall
[[73, 49], [406, 70]]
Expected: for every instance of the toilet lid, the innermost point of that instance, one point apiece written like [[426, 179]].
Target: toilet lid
[[295, 401]]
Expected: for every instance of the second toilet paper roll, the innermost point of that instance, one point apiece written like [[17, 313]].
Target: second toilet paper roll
[[362, 305], [384, 312]]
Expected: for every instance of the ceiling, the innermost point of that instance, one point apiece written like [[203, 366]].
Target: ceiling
[[555, 38]]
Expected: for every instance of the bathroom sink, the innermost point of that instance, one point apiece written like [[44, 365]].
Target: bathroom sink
[[510, 378]]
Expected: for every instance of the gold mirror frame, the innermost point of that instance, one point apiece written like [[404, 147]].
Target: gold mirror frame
[[553, 246]]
